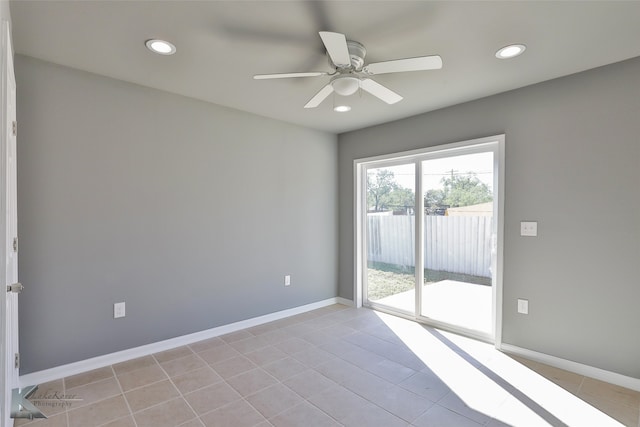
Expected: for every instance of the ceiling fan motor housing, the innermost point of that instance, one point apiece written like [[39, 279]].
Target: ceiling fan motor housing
[[357, 52]]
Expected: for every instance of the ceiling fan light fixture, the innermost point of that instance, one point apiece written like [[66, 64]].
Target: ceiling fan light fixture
[[510, 51], [341, 108], [161, 47], [345, 85]]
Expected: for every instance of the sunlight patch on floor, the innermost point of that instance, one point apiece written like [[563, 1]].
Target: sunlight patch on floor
[[503, 388]]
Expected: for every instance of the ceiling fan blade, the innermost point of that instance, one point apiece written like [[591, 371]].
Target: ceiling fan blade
[[337, 48], [376, 89], [288, 75], [421, 63], [320, 96]]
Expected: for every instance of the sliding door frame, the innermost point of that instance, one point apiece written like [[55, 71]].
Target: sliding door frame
[[492, 143], [384, 163]]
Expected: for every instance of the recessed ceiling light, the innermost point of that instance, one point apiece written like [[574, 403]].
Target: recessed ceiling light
[[341, 108], [160, 46], [510, 51]]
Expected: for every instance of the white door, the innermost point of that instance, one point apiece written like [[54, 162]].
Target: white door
[[8, 230]]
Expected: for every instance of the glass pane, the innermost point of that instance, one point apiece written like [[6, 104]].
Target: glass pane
[[390, 278], [458, 209]]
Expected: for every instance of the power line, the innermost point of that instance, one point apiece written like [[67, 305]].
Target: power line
[[442, 174]]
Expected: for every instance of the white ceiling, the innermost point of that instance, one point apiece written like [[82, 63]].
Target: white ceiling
[[222, 44]]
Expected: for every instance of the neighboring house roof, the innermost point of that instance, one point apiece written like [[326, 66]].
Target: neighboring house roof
[[482, 209]]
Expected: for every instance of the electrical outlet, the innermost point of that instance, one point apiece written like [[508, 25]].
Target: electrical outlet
[[529, 228], [118, 310], [287, 280], [523, 306]]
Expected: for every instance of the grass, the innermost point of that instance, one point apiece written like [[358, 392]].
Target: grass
[[384, 280], [381, 283]]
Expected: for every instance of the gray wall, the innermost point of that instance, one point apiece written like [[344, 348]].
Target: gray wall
[[4, 10], [573, 165], [189, 212]]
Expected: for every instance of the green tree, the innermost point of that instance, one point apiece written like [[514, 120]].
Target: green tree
[[383, 193], [400, 198], [379, 185], [433, 199], [465, 190]]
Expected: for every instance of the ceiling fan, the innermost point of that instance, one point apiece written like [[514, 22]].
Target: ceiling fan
[[346, 57]]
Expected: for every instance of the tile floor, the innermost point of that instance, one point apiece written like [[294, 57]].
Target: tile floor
[[335, 366]]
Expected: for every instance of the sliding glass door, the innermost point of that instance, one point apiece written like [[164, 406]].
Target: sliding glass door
[[390, 236], [429, 230], [458, 228]]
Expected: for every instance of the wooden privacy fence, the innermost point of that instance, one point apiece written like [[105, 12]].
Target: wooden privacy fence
[[456, 244]]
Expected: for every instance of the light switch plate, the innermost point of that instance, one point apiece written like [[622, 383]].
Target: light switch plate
[[528, 228], [523, 306], [118, 310]]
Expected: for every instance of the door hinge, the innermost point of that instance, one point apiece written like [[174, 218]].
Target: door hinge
[[16, 361], [15, 128], [15, 244], [15, 288]]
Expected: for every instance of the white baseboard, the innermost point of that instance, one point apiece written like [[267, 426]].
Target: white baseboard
[[344, 301], [79, 367], [575, 367]]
